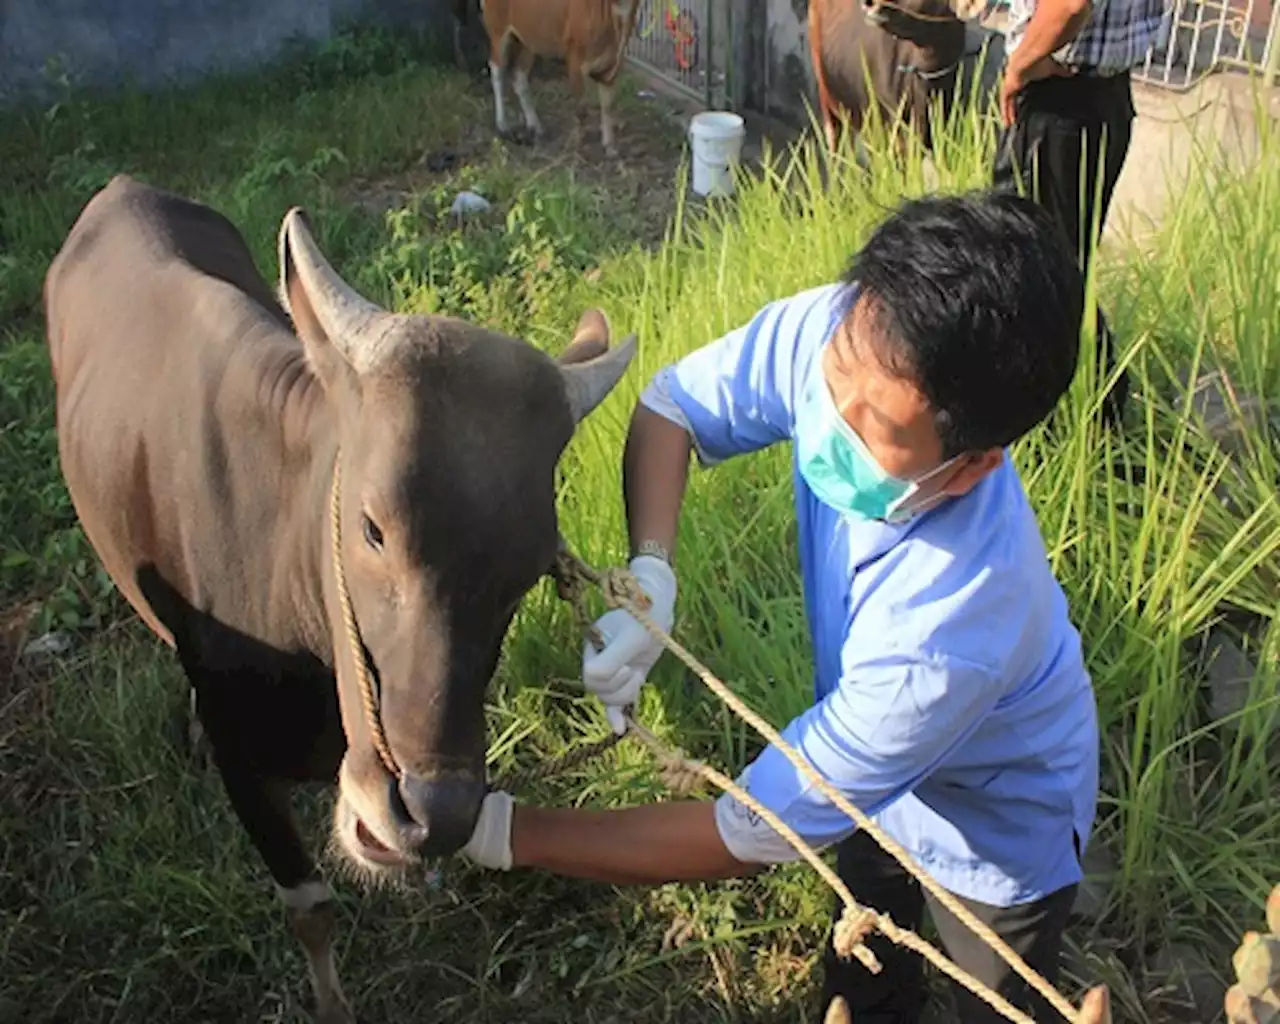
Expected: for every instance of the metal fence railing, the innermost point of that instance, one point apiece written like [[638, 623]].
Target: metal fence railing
[[686, 43], [1203, 36]]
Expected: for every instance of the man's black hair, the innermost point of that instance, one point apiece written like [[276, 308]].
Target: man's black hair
[[977, 300]]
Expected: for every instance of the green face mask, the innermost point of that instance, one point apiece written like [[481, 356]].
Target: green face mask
[[837, 465]]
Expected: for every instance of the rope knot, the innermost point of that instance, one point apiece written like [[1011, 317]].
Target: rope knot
[[855, 924], [620, 589], [681, 775], [568, 576]]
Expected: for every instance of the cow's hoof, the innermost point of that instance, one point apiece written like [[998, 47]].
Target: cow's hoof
[[518, 136]]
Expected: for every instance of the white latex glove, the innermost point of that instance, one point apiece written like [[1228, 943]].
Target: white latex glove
[[616, 673], [490, 842]]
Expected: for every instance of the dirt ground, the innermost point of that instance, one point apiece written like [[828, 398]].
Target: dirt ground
[[651, 135]]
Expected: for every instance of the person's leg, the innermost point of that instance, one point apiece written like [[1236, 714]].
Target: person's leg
[[1033, 931], [897, 994], [1059, 122], [1110, 147]]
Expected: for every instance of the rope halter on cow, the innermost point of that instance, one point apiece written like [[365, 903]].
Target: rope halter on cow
[[620, 590], [359, 653]]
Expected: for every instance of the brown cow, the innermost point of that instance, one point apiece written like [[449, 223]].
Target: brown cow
[[591, 36], [330, 511], [911, 50]]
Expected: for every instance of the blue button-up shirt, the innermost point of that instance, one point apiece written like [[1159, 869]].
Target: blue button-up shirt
[[952, 704]]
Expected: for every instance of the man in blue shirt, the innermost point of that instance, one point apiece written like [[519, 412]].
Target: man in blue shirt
[[951, 701]]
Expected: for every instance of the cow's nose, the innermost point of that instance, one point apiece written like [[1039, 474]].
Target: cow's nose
[[440, 811]]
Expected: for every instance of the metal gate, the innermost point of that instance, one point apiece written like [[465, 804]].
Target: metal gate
[[687, 44], [1202, 36]]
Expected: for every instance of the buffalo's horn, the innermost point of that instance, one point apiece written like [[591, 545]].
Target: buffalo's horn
[[346, 316], [587, 384]]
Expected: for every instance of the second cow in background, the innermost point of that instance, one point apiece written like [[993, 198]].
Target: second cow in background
[[589, 35]]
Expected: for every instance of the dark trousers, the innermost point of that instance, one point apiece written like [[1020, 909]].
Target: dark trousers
[[1059, 121], [897, 994]]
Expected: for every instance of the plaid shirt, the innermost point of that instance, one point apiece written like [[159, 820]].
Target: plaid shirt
[[1117, 36]]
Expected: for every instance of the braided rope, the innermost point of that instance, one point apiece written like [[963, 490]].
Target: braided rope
[[620, 590], [363, 676]]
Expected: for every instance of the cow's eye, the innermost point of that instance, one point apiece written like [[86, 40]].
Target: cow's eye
[[372, 534]]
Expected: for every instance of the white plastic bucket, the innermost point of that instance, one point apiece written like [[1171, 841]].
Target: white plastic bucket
[[716, 136]]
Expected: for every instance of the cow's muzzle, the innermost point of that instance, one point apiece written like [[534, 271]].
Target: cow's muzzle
[[436, 813]]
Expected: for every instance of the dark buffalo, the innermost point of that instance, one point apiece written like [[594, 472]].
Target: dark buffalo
[[908, 51], [204, 432]]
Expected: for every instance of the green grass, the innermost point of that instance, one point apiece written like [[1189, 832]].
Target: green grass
[[127, 890]]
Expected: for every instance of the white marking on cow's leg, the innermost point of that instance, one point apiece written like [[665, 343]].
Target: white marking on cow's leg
[[606, 118], [525, 95], [199, 745], [309, 911], [498, 74], [306, 895]]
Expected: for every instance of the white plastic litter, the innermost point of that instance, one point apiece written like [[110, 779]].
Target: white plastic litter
[[467, 202]]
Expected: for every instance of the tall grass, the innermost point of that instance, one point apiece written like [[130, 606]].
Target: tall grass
[[1157, 536], [127, 890]]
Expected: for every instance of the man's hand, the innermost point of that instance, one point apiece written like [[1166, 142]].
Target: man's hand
[[490, 842], [1017, 78], [616, 673]]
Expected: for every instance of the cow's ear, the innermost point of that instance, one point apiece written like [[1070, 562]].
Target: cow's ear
[[589, 368], [326, 312]]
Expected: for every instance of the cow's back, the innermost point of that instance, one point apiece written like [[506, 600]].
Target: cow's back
[[150, 305]]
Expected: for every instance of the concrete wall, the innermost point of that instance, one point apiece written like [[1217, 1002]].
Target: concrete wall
[[103, 42], [788, 76]]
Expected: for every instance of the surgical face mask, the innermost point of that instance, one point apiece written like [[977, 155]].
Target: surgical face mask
[[838, 467]]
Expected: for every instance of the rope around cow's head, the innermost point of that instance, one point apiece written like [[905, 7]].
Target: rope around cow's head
[[359, 654], [621, 590]]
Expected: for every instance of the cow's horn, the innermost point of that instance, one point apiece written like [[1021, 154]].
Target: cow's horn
[[588, 384], [345, 315]]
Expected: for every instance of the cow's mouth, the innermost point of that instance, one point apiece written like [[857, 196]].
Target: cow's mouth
[[375, 849], [362, 844]]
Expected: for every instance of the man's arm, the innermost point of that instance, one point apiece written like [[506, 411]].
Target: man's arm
[[648, 845], [874, 741], [655, 474], [1054, 24]]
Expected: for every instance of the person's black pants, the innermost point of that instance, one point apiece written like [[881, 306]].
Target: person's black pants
[[897, 994], [1059, 121]]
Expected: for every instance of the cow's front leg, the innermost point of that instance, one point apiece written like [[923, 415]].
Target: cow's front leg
[[263, 807], [498, 74], [309, 911], [606, 117], [829, 126], [524, 64]]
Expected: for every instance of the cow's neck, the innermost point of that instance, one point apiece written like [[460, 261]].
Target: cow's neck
[[307, 443]]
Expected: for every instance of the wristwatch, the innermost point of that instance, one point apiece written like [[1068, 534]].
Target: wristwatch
[[652, 547]]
